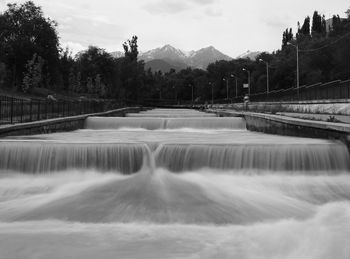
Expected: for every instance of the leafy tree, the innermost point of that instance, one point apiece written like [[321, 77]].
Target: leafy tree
[[305, 29], [33, 77], [2, 73], [318, 24], [66, 64], [287, 37], [130, 48], [93, 62], [24, 32]]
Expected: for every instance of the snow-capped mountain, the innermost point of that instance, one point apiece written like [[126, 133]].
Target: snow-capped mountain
[[179, 59], [249, 55], [117, 54], [167, 52], [203, 57]]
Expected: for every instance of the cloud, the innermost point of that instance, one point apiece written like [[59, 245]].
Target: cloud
[[75, 47], [278, 21], [85, 31], [203, 2], [174, 6], [168, 7], [213, 12]]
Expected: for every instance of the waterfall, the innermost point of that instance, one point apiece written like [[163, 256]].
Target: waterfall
[[173, 184], [277, 157], [45, 157], [165, 123]]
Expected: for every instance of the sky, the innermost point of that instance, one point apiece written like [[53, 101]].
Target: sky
[[231, 26]]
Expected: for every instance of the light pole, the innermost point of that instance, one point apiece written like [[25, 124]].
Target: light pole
[[297, 49], [267, 76], [236, 79], [244, 69], [226, 79]]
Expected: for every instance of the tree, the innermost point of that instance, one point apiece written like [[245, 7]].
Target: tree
[[2, 73], [305, 29], [287, 37], [66, 64], [130, 48], [24, 32], [33, 77], [318, 24], [93, 62]]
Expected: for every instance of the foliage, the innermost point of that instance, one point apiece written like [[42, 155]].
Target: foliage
[[130, 49], [33, 77], [24, 32]]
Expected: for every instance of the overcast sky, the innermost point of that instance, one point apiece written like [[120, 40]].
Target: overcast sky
[[232, 26]]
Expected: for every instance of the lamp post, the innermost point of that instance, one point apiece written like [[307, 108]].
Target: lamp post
[[267, 76], [236, 78], [226, 79], [244, 69], [297, 49]]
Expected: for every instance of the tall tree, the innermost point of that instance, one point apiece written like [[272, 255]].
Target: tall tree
[[96, 63], [316, 24], [130, 48], [25, 32], [305, 29]]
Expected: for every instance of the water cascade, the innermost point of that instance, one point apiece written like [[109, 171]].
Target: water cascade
[[173, 184]]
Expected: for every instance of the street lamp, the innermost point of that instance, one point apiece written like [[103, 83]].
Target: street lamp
[[244, 69], [226, 79], [267, 76], [297, 49], [236, 78]]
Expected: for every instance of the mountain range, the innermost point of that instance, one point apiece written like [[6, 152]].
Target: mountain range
[[167, 57]]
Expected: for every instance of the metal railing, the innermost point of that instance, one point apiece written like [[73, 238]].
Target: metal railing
[[335, 90], [18, 110]]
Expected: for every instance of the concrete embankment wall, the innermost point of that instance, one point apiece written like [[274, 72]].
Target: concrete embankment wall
[[282, 125], [59, 124], [331, 107]]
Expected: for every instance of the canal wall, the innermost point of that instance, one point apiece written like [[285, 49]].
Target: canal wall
[[58, 124], [330, 107], [288, 126]]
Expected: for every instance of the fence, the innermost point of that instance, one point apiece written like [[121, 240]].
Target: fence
[[17, 110], [327, 91], [335, 90]]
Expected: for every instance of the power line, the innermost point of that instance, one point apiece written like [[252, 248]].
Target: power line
[[326, 46]]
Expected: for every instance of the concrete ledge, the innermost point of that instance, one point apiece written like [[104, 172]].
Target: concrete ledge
[[58, 124], [282, 125], [340, 127]]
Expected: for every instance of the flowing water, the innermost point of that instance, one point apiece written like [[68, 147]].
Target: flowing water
[[173, 184]]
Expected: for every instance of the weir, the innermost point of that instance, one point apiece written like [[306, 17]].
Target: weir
[[163, 177]]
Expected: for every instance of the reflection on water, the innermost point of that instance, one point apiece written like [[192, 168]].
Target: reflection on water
[[235, 194]]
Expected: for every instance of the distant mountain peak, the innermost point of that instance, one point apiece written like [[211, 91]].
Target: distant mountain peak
[[168, 56], [249, 55]]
